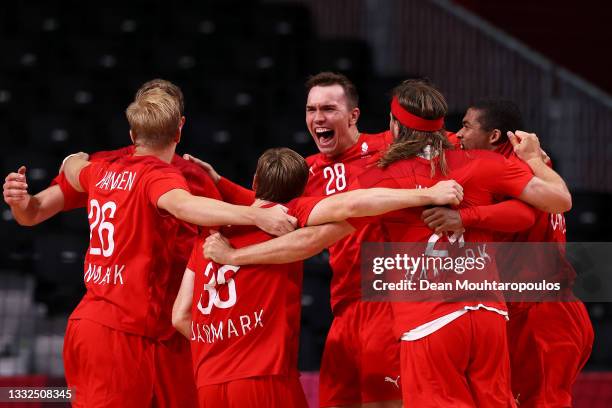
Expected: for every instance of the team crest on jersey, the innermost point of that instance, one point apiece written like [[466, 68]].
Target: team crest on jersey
[[364, 148]]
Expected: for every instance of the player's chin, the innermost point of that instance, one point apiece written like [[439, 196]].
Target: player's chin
[[327, 149]]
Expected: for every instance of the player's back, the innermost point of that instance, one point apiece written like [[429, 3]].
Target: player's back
[[245, 320], [127, 265], [483, 175]]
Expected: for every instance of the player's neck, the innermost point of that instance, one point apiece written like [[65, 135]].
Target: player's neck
[[260, 203], [163, 154]]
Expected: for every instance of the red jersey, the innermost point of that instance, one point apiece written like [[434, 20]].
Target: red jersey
[[329, 176], [246, 320], [128, 262], [483, 176], [199, 183], [547, 228]]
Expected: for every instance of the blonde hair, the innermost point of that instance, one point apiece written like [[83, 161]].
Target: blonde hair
[[166, 86], [154, 118]]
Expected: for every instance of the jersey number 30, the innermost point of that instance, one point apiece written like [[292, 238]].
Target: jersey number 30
[[211, 287], [100, 224]]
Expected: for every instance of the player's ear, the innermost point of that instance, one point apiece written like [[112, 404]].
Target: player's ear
[[182, 123], [254, 185], [355, 112], [495, 136], [393, 126]]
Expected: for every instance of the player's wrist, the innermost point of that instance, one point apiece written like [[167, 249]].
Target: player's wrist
[[428, 195], [535, 162]]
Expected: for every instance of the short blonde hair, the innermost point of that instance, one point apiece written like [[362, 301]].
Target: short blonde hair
[[154, 118], [166, 86]]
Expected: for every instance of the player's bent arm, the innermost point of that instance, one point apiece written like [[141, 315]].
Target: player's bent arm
[[546, 196], [72, 169], [506, 216], [295, 246], [208, 212], [40, 207], [376, 201], [547, 190], [181, 310]]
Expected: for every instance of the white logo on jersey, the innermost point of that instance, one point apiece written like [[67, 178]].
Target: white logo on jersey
[[391, 380], [557, 221], [311, 171], [364, 148]]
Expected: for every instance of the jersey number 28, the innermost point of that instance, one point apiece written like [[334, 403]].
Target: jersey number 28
[[337, 178]]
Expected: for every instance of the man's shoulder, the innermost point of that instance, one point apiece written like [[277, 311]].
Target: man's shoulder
[[383, 138], [111, 155], [459, 157]]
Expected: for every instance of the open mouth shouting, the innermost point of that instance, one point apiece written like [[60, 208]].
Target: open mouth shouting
[[325, 136]]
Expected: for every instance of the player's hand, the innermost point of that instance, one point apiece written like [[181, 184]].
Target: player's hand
[[526, 145], [275, 220], [545, 156], [446, 192], [79, 155], [15, 188], [218, 248], [441, 219], [206, 166]]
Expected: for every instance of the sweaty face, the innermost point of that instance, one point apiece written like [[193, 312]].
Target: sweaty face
[[472, 135], [329, 119]]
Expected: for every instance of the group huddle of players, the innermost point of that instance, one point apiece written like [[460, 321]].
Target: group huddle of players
[[157, 275]]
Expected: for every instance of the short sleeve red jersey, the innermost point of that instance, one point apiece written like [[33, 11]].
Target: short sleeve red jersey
[[329, 176], [483, 175], [246, 320], [128, 262], [199, 183]]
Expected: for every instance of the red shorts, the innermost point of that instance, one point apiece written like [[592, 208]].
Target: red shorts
[[107, 367], [271, 391], [549, 344], [463, 364], [174, 380], [361, 357]]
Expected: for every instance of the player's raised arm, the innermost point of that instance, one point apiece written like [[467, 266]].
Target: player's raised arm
[[295, 246], [181, 310], [376, 201], [208, 212], [546, 191], [30, 210]]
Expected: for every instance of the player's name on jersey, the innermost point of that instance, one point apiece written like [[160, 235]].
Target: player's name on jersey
[[104, 275], [117, 181], [226, 329]]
